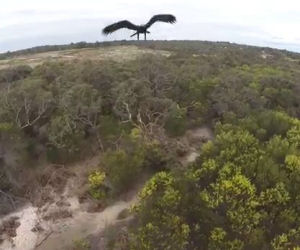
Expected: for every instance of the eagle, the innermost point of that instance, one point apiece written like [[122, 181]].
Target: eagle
[[140, 29]]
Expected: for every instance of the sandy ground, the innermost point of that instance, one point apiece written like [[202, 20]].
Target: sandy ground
[[25, 239], [61, 232], [83, 224], [193, 139], [116, 53]]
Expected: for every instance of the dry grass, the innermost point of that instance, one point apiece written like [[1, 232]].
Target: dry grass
[[116, 53]]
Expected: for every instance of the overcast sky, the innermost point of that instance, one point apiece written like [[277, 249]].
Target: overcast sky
[[28, 23]]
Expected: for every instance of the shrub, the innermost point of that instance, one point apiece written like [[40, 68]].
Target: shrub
[[176, 121], [96, 184], [81, 244], [123, 168]]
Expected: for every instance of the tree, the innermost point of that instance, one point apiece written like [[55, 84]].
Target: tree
[[26, 104], [64, 133], [82, 103], [135, 104], [161, 228], [241, 193]]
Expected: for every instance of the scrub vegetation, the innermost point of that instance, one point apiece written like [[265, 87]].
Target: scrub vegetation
[[242, 192]]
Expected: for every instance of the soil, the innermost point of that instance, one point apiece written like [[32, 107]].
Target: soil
[[23, 238], [52, 203], [62, 212], [57, 215], [8, 228], [115, 53], [191, 142]]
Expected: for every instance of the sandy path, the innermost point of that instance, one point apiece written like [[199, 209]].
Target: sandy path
[[25, 239], [62, 233], [193, 139], [83, 224]]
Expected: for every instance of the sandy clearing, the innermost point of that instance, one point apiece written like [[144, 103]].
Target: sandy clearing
[[115, 53], [193, 139], [61, 233], [25, 239], [83, 224]]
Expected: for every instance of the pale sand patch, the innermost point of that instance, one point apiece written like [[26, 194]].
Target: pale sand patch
[[25, 239], [81, 225], [194, 139], [115, 53]]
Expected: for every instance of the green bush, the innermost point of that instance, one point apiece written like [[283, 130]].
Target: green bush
[[137, 155], [176, 121], [81, 244], [96, 184], [242, 193], [123, 168], [65, 133]]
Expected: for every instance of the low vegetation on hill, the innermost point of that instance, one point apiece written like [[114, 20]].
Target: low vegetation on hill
[[242, 192]]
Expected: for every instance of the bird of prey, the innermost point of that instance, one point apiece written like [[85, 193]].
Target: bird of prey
[[140, 29]]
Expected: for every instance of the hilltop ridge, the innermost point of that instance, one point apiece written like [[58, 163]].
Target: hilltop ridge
[[201, 139]]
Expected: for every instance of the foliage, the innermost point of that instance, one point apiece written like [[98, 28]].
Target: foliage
[[122, 168], [14, 73], [81, 244], [63, 132], [243, 190], [125, 165], [238, 195], [96, 184], [153, 234], [176, 121], [25, 104]]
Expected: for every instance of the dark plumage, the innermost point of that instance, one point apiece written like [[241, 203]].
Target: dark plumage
[[139, 28]]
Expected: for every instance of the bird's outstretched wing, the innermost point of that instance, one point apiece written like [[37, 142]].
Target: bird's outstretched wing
[[161, 18], [119, 25]]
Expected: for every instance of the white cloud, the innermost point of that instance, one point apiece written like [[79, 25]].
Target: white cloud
[[258, 22]]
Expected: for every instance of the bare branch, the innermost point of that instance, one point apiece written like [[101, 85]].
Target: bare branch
[[44, 239], [9, 197]]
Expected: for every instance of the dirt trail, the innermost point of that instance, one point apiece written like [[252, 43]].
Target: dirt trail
[[192, 141], [83, 224], [61, 234], [25, 239], [78, 223]]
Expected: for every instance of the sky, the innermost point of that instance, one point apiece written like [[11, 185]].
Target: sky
[[29, 23]]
